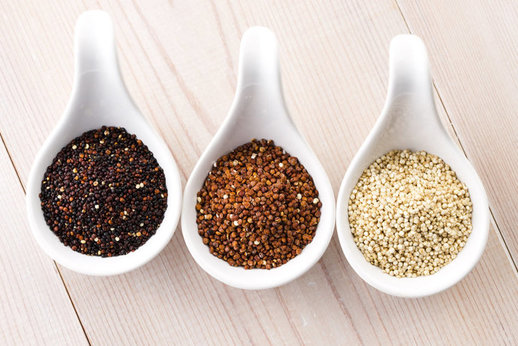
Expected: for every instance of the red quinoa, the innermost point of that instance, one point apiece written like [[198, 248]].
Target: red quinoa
[[258, 207]]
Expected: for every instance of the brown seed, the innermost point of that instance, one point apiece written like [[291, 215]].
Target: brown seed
[[253, 210]]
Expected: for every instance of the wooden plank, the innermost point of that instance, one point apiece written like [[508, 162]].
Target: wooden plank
[[474, 62], [179, 61], [35, 308]]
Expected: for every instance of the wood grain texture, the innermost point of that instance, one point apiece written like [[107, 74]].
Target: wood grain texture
[[179, 59], [35, 308], [474, 60]]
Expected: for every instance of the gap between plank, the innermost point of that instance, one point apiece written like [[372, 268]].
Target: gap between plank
[[55, 264], [495, 223]]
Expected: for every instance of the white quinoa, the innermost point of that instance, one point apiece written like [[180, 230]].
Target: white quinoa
[[409, 213]]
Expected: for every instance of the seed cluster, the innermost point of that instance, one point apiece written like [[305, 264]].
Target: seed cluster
[[104, 193], [258, 207], [409, 213]]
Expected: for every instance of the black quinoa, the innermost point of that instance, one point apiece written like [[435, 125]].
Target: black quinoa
[[104, 193]]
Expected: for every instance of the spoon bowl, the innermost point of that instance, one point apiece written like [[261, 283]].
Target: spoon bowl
[[258, 111], [409, 120], [99, 97]]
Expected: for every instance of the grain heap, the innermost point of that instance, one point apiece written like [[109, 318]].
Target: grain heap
[[409, 213], [104, 193], [258, 207]]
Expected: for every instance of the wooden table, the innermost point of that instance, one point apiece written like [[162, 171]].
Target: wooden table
[[179, 59]]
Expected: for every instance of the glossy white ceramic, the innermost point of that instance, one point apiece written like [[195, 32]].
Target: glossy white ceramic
[[258, 111], [409, 120], [99, 97]]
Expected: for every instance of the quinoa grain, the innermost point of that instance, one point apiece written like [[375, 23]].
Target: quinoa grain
[[409, 213], [256, 208], [89, 196]]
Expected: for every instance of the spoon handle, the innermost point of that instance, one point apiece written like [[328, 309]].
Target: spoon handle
[[94, 43], [259, 62], [97, 74], [409, 70]]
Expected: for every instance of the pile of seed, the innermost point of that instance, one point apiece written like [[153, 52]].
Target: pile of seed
[[258, 207], [104, 193], [409, 213]]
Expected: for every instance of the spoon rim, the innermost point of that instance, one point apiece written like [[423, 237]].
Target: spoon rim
[[258, 111], [71, 259], [239, 277], [420, 286], [410, 88], [92, 48]]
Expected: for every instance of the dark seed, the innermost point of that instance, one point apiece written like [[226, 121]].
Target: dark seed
[[88, 193]]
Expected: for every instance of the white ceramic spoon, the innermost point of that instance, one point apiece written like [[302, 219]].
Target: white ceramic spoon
[[409, 121], [99, 97], [258, 111]]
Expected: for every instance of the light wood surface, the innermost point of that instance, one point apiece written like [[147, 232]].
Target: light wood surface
[[179, 60], [34, 302]]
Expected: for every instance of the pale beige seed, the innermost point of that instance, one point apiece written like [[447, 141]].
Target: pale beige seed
[[409, 213]]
